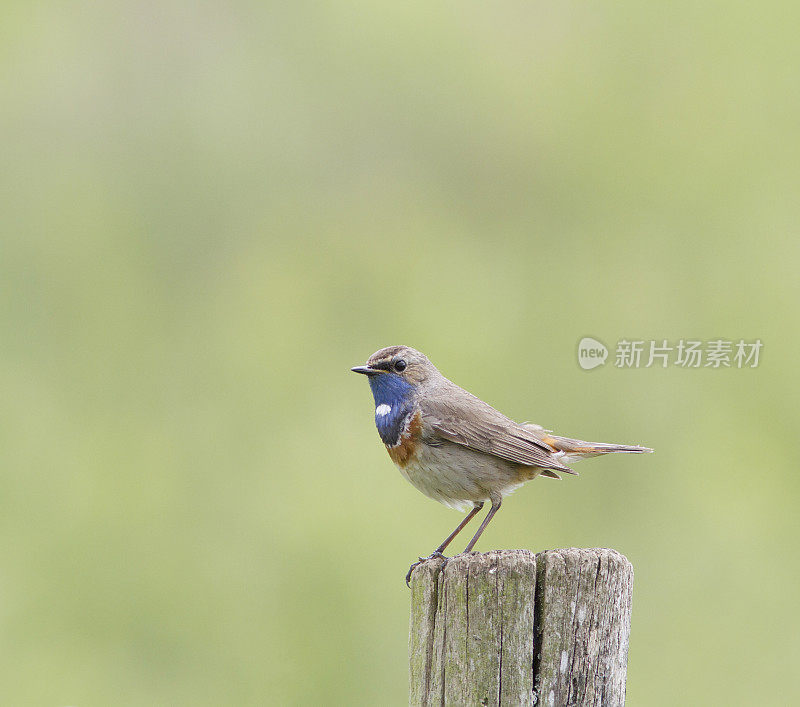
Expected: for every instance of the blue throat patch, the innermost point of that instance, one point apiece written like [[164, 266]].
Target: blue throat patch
[[391, 390]]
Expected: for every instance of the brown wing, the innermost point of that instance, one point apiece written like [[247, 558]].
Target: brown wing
[[458, 416]]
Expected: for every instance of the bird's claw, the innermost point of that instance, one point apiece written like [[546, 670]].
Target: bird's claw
[[433, 556]]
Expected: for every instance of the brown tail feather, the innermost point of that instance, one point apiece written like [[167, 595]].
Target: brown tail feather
[[550, 474], [578, 448]]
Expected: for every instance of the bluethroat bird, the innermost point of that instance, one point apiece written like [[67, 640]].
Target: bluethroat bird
[[454, 447]]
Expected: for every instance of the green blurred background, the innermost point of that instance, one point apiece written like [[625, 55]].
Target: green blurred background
[[210, 211]]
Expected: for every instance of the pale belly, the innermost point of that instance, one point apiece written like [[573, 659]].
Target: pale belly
[[458, 477]]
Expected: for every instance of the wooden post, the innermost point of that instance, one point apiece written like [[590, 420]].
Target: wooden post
[[512, 628]]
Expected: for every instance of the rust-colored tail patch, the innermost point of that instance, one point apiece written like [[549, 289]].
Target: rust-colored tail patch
[[578, 446]]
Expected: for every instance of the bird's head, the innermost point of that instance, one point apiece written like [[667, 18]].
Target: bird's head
[[397, 362], [394, 375]]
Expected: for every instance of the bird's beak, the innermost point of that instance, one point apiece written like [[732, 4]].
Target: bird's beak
[[366, 370]]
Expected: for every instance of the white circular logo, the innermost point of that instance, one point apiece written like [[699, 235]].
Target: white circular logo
[[591, 353]]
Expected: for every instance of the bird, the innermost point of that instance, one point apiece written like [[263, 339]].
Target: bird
[[457, 449]]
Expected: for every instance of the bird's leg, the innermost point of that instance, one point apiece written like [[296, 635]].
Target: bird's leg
[[439, 550], [495, 507]]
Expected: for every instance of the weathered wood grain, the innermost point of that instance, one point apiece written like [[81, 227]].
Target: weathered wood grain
[[512, 628]]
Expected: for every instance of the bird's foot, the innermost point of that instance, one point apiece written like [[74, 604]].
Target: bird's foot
[[433, 556]]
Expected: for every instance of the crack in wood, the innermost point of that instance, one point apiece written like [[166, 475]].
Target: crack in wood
[[549, 629]]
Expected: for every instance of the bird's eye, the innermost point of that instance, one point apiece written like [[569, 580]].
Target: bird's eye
[[400, 365]]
